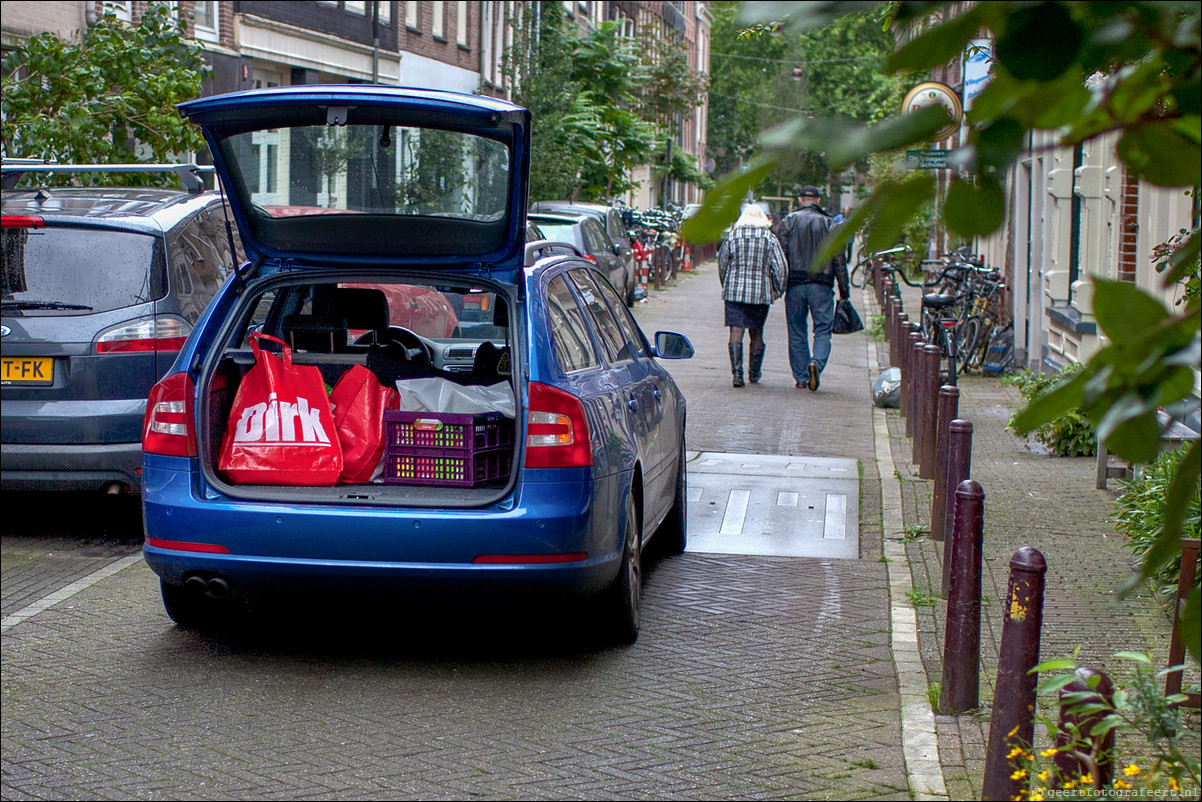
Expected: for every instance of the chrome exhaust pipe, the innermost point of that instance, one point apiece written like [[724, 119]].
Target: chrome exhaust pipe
[[217, 587], [195, 584]]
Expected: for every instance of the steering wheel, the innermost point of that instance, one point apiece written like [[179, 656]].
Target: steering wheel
[[412, 346]]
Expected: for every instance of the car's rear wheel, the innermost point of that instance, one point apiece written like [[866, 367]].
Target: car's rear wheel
[[621, 600], [193, 610], [673, 534]]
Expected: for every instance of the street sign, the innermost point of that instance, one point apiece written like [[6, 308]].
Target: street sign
[[927, 159]]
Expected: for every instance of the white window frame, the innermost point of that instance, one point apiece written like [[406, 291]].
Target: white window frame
[[411, 13], [461, 22], [385, 14], [438, 27], [356, 7], [208, 33]]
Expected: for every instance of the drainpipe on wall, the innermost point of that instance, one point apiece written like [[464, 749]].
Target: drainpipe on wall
[[375, 42]]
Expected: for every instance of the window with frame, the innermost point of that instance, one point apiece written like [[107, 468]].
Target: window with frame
[[613, 340], [356, 7], [411, 13], [123, 10], [385, 12], [438, 26], [461, 23], [205, 20], [570, 341]]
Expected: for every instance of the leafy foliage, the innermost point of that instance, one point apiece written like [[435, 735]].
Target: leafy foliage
[[1080, 69], [109, 98], [600, 103], [1071, 434], [1139, 513]]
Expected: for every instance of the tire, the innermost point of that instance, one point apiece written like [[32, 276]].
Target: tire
[[630, 285], [967, 342], [673, 534], [196, 611], [621, 600]]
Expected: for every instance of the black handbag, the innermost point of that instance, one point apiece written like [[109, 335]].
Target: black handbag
[[847, 319]]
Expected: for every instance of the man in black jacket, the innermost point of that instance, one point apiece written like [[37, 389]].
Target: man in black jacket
[[810, 294]]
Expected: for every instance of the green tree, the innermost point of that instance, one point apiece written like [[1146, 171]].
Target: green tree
[[1082, 69], [108, 98], [767, 74]]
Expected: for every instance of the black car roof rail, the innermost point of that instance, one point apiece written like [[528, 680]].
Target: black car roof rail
[[544, 247], [188, 174]]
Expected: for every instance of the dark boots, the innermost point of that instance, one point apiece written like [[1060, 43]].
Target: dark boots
[[736, 363], [755, 361]]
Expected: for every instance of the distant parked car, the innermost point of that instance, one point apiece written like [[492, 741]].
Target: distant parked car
[[610, 218], [586, 234], [100, 289], [554, 492]]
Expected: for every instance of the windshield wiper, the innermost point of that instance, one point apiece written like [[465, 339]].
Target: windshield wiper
[[43, 305]]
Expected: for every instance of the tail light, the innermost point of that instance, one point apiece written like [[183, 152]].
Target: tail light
[[158, 333], [556, 430], [168, 426], [21, 221], [588, 257]]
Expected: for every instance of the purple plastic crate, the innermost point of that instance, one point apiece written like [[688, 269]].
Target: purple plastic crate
[[446, 449]]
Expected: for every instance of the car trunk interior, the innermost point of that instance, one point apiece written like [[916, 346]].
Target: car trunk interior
[[455, 333]]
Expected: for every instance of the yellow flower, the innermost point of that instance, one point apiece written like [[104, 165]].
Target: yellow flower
[[1087, 779], [1018, 775], [1070, 784], [1121, 784], [1051, 750], [1131, 770], [1173, 784], [1043, 775], [1037, 793], [1013, 731], [1015, 752]]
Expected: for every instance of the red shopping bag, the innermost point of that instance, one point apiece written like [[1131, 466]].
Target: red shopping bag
[[359, 401], [280, 429]]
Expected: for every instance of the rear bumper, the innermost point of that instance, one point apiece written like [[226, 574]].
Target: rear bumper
[[69, 466], [284, 548]]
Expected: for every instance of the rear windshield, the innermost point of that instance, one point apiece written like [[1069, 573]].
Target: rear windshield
[[75, 269], [563, 232]]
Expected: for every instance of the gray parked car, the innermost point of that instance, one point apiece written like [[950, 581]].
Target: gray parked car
[[587, 235], [101, 287], [610, 219]]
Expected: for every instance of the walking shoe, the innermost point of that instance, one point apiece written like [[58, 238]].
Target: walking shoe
[[756, 365], [799, 385], [813, 382], [736, 363]]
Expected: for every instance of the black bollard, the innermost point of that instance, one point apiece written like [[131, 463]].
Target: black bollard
[[1013, 720], [1098, 688], [949, 401], [918, 393], [930, 412], [959, 461], [960, 687]]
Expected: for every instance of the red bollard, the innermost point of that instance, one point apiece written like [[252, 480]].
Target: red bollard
[[949, 401], [1089, 687], [916, 370], [959, 461], [960, 686], [930, 410], [1013, 720]]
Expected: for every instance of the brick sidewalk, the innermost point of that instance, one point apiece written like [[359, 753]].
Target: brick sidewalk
[[1031, 499]]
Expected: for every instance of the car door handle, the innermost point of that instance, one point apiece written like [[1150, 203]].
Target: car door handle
[[633, 404], [655, 393]]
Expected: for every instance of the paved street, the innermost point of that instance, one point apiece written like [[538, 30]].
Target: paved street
[[773, 661]]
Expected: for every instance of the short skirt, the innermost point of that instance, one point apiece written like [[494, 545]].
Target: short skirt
[[746, 316]]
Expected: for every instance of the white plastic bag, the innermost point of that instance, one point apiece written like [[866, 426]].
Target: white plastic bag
[[441, 395]]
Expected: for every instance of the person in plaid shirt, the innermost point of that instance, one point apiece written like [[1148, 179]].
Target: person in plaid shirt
[[753, 270]]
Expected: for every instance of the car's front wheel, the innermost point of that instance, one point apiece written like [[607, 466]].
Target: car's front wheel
[[193, 610], [621, 600]]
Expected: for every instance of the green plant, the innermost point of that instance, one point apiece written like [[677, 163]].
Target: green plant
[[1072, 434], [921, 598], [1161, 764], [1139, 514], [913, 532], [876, 327], [934, 690]]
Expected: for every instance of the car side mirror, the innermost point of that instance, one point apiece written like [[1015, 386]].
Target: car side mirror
[[617, 249], [670, 345]]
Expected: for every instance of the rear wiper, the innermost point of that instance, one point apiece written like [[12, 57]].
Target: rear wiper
[[43, 305]]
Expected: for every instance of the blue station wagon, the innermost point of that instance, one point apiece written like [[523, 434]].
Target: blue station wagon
[[371, 217]]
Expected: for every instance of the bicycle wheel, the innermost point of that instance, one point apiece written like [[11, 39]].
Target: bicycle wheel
[[967, 336], [947, 363]]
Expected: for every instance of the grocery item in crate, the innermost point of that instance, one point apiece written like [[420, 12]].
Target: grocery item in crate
[[447, 449], [440, 395]]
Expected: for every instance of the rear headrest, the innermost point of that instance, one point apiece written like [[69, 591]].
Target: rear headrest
[[500, 313], [316, 333], [361, 307]]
